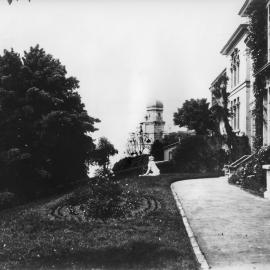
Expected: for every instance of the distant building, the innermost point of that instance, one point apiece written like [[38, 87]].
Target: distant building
[[153, 126], [168, 150], [150, 130]]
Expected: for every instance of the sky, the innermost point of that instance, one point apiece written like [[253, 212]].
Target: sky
[[127, 53]]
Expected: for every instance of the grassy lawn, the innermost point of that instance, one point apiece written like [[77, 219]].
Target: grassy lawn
[[50, 235]]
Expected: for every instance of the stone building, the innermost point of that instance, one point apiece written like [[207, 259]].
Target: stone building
[[239, 74], [149, 131], [264, 70], [239, 85], [153, 126]]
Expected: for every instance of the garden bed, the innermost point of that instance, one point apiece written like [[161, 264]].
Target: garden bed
[[151, 236]]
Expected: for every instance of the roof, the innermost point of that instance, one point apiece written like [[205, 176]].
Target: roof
[[156, 104], [170, 145], [236, 36], [244, 11], [244, 8], [218, 77]]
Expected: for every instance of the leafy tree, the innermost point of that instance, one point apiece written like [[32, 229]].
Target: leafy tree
[[44, 127], [103, 152], [195, 115], [157, 150]]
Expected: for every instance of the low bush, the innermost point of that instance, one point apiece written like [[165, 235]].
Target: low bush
[[166, 167], [106, 196], [7, 200], [199, 154], [130, 163], [242, 147], [251, 175]]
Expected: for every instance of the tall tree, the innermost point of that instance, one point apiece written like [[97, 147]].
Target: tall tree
[[195, 115], [44, 127], [103, 152]]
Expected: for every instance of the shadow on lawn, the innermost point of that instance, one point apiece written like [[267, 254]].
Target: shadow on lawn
[[136, 254]]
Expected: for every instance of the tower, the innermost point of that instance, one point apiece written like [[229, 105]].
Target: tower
[[153, 126]]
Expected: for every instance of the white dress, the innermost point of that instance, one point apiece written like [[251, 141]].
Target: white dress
[[152, 167]]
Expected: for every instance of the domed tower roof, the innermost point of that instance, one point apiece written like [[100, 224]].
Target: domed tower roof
[[155, 104]]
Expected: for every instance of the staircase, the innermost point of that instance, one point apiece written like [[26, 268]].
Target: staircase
[[231, 168]]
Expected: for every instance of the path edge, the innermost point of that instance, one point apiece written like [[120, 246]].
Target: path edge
[[195, 246]]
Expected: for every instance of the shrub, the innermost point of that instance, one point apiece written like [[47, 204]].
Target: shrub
[[199, 154], [241, 147], [7, 200], [251, 175], [166, 167], [107, 193], [130, 165], [157, 150]]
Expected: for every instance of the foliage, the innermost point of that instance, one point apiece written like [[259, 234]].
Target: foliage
[[157, 150], [130, 162], [103, 151], [107, 193], [195, 115], [7, 200], [252, 176], [44, 126], [220, 113], [155, 240], [199, 154], [257, 43], [219, 110], [175, 137]]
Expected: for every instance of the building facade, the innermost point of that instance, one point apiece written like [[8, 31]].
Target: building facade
[[153, 126], [168, 151], [149, 131], [240, 77], [239, 72]]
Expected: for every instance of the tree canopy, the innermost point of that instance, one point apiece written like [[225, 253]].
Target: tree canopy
[[103, 152], [195, 115], [44, 127]]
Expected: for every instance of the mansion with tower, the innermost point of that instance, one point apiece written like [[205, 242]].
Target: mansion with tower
[[150, 130], [153, 125], [241, 77]]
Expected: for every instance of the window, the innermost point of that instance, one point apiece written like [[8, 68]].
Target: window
[[238, 114], [235, 68], [235, 110]]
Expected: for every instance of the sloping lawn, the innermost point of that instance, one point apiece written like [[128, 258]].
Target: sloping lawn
[[51, 235]]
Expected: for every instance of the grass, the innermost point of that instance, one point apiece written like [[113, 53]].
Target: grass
[[31, 238]]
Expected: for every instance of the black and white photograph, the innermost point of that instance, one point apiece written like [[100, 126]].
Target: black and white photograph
[[134, 134]]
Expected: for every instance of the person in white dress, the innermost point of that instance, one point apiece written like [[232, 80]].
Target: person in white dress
[[152, 169]]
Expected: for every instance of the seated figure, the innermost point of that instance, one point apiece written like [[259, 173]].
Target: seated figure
[[152, 169]]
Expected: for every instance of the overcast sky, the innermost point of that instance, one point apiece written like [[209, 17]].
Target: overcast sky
[[127, 52]]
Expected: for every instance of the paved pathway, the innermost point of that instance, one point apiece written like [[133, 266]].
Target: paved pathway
[[231, 226]]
